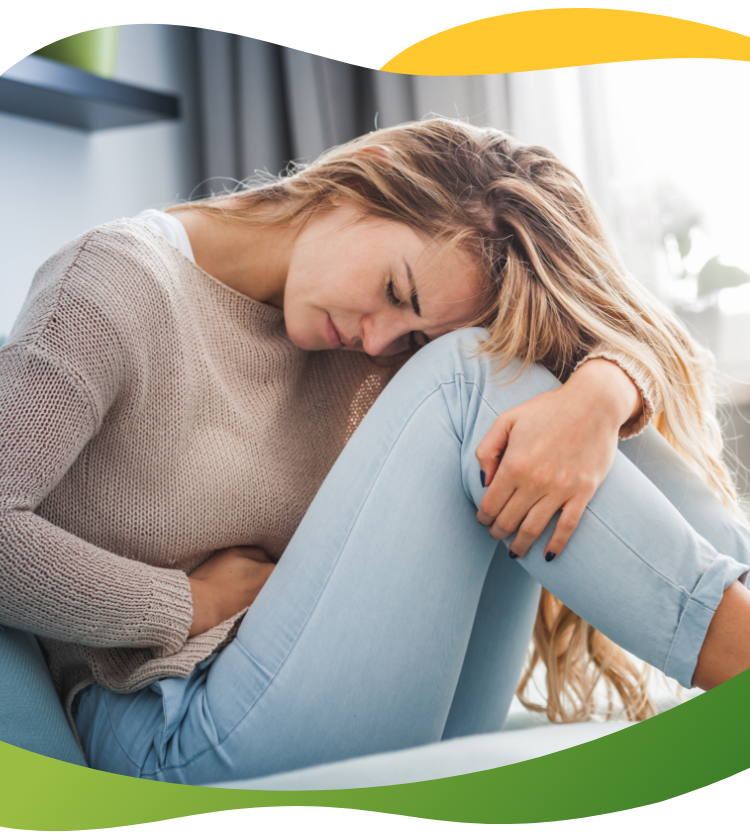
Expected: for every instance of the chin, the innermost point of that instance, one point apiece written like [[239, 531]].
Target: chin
[[303, 338]]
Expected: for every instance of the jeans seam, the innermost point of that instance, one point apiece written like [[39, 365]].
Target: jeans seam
[[117, 739], [641, 559], [683, 615]]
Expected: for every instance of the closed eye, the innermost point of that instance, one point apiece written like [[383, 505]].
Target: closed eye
[[391, 294], [417, 339]]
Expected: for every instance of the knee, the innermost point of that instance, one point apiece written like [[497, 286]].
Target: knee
[[462, 341], [456, 351], [460, 352]]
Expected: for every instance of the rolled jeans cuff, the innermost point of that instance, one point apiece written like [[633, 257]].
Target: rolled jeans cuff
[[697, 614]]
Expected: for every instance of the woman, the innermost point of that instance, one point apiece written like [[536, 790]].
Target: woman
[[174, 397]]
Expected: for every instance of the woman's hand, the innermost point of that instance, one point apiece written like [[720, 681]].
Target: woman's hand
[[552, 453], [225, 584]]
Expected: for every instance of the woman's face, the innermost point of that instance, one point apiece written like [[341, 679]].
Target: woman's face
[[373, 285]]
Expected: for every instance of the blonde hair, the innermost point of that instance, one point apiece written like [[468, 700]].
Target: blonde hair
[[554, 287]]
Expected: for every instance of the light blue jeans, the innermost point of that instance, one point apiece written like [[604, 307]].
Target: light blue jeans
[[393, 619]]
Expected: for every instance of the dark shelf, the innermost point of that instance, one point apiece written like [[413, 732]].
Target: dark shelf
[[40, 88]]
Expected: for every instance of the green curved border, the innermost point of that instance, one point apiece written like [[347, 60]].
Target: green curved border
[[696, 744], [689, 747]]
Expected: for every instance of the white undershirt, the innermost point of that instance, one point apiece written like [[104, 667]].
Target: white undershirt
[[168, 227]]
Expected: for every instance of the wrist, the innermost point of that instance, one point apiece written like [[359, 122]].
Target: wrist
[[203, 607], [602, 382]]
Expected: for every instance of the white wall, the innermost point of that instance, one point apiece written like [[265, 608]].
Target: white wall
[[58, 182]]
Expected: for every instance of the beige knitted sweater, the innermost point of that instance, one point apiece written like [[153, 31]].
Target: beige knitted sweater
[[150, 415]]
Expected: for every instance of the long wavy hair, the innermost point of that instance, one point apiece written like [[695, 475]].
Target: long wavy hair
[[554, 287]]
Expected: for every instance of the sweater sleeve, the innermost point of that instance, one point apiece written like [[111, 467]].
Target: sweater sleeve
[[643, 380], [53, 583]]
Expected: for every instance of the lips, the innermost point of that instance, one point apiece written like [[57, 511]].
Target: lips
[[332, 335]]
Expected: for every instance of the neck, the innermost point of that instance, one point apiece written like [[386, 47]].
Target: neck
[[253, 260]]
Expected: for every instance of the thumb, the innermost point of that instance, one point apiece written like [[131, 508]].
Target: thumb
[[490, 450], [256, 554]]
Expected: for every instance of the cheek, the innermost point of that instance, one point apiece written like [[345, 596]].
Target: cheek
[[294, 318], [303, 337], [305, 324]]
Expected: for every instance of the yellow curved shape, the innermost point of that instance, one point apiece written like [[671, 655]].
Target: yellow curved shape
[[549, 38]]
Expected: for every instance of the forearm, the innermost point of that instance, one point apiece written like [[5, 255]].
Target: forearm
[[606, 387], [641, 376], [56, 585], [51, 582]]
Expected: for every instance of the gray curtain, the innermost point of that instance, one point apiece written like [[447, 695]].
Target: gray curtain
[[263, 105]]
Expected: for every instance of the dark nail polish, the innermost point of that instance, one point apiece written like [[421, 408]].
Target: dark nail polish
[[550, 556], [482, 477], [512, 554]]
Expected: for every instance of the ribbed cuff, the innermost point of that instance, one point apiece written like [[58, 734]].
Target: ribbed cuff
[[642, 381], [170, 614], [696, 616]]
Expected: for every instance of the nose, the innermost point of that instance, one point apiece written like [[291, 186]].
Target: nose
[[380, 333]]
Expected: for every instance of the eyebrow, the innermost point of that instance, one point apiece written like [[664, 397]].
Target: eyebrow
[[414, 299]]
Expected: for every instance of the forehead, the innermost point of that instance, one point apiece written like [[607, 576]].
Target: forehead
[[449, 284]]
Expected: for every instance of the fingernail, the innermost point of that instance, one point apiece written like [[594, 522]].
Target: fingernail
[[513, 555], [550, 556], [482, 477]]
